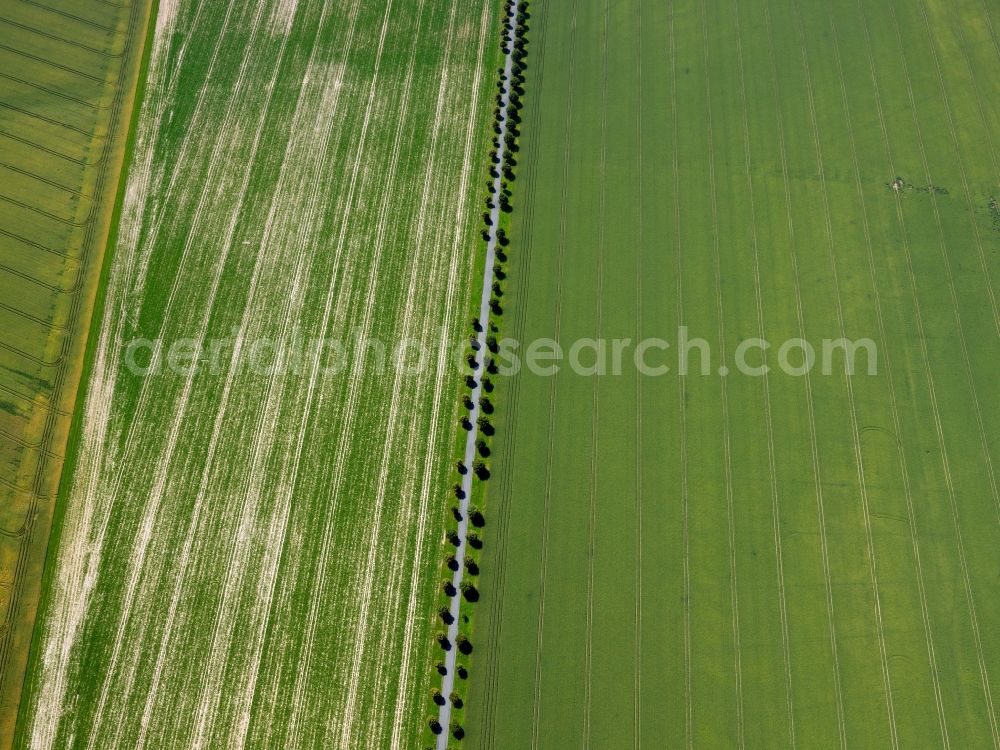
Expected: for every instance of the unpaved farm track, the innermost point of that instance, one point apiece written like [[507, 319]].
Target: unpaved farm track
[[245, 557]]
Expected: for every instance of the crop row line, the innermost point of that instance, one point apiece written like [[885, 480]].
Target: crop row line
[[58, 38], [945, 462], [71, 16], [810, 408]]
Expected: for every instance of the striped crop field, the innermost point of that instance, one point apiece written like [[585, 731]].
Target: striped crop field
[[739, 558], [68, 73], [245, 555]]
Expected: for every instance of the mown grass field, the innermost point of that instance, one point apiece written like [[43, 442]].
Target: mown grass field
[[736, 561], [249, 558], [68, 73]]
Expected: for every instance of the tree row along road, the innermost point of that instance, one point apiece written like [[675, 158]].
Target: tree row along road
[[451, 655]]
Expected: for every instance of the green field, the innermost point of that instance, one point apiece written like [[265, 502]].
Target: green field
[[247, 557], [765, 562], [68, 72]]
